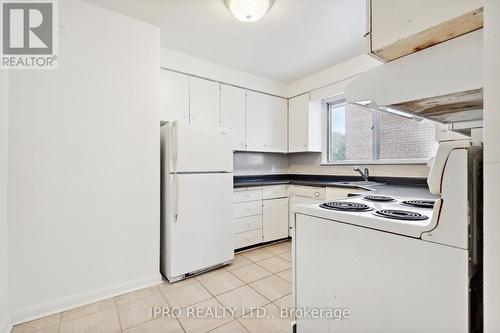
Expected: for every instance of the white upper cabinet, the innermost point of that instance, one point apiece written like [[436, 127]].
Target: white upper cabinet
[[277, 126], [204, 102], [266, 123], [304, 125], [258, 113], [233, 106], [258, 122], [174, 96]]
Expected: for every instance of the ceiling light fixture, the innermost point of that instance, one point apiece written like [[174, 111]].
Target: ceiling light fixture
[[248, 10]]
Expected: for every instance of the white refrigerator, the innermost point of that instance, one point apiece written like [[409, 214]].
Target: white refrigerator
[[197, 191]]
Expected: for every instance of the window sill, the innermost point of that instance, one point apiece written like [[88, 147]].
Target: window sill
[[381, 162]]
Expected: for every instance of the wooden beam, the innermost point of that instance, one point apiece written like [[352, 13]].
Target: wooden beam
[[440, 33]]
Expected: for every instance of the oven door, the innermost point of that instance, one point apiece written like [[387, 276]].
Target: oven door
[[381, 281]]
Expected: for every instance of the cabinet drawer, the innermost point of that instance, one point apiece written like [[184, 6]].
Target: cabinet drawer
[[247, 195], [248, 223], [274, 191], [248, 238], [309, 192], [243, 209]]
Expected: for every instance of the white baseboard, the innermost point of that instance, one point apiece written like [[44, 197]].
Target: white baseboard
[[62, 304]]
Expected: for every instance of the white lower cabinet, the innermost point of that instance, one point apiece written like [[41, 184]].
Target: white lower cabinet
[[313, 194], [260, 215], [275, 219], [244, 239], [265, 214], [244, 209], [248, 223], [298, 200]]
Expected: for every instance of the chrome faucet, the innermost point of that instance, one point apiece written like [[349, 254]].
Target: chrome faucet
[[364, 174]]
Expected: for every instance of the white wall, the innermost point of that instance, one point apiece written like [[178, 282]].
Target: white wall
[[492, 165], [4, 121], [84, 165], [250, 163], [310, 163], [196, 66], [333, 75]]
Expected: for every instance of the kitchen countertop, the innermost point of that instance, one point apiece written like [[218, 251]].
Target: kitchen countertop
[[392, 186]]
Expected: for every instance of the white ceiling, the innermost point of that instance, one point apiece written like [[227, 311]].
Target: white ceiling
[[295, 38]]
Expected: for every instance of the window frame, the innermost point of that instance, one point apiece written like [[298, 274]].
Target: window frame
[[376, 146]]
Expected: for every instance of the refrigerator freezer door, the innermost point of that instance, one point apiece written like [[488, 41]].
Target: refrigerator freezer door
[[198, 230], [200, 149]]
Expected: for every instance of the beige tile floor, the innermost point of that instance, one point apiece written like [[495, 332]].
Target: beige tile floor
[[257, 282]]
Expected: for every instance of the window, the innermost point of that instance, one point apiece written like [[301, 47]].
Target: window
[[356, 133]]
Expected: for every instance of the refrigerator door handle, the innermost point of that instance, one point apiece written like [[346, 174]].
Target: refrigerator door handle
[[174, 185], [176, 202]]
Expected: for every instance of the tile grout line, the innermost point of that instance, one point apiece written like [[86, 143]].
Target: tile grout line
[[218, 301], [117, 315], [168, 304], [158, 290], [248, 284], [137, 299]]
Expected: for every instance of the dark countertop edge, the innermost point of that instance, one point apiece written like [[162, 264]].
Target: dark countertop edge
[[320, 180]]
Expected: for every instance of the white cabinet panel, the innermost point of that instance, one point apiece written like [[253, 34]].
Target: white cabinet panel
[[244, 195], [247, 223], [204, 102], [275, 219], [304, 125], [298, 123], [314, 128], [258, 106], [267, 128], [274, 191], [277, 125], [233, 109], [247, 238], [312, 192], [247, 209], [174, 96], [303, 195]]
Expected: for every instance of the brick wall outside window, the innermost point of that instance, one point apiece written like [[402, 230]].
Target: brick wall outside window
[[398, 137], [358, 133], [402, 138]]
